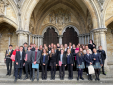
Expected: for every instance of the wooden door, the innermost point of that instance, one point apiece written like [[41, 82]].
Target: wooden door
[[70, 36], [50, 36]]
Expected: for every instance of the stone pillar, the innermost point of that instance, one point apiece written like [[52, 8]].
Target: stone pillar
[[85, 39], [88, 39], [33, 39], [9, 35], [82, 39], [38, 41], [29, 39], [22, 37], [41, 40], [60, 39], [100, 39]]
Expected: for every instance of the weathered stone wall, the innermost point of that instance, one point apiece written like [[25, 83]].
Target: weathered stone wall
[[109, 39]]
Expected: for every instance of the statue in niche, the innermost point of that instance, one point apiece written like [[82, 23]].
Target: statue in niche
[[53, 18], [31, 28], [2, 7], [67, 17], [60, 17]]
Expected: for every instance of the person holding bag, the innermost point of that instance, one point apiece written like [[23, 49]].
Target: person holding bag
[[62, 64], [80, 63], [89, 61], [97, 63], [44, 63]]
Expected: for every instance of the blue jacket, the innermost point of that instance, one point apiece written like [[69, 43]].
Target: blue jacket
[[79, 59], [88, 59], [97, 57]]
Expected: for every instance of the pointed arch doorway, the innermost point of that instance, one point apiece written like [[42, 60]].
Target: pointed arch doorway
[[70, 34], [50, 36]]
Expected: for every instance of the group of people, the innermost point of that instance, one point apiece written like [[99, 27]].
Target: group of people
[[55, 57]]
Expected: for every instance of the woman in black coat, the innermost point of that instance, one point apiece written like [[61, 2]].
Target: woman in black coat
[[44, 63], [80, 63], [91, 45], [70, 61], [97, 61], [53, 63]]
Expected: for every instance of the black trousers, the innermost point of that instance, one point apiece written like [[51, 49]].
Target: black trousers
[[53, 71], [9, 65], [70, 70], [62, 71], [44, 71], [16, 73], [103, 61], [28, 67]]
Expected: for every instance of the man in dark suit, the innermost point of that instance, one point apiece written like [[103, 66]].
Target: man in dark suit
[[103, 56], [8, 59], [24, 50], [36, 60], [33, 47], [19, 60]]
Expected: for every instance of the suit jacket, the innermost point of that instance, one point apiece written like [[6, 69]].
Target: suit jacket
[[63, 58], [102, 53], [71, 59], [97, 57], [7, 53], [88, 59], [37, 57], [79, 59], [33, 49], [24, 49], [46, 59], [17, 59]]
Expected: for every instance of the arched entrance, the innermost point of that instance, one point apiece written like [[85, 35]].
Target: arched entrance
[[50, 36], [70, 35]]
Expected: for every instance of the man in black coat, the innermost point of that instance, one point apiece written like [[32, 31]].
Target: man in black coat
[[103, 56], [19, 60], [8, 59]]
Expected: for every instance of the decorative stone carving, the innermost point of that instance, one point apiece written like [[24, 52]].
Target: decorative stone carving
[[60, 16], [22, 32], [3, 4], [31, 28], [101, 2]]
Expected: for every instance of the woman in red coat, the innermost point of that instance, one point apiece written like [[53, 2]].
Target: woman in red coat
[[13, 57]]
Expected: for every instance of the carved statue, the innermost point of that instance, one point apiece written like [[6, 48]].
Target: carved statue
[[60, 16], [2, 7]]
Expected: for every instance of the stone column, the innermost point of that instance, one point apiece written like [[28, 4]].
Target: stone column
[[41, 40], [60, 39], [38, 41], [80, 38], [29, 39], [88, 39], [22, 37], [100, 39], [85, 39], [33, 39], [9, 35]]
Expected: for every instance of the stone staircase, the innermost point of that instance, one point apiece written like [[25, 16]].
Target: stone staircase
[[10, 79]]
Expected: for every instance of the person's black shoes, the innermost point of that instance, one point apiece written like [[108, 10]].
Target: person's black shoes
[[82, 78], [104, 74], [77, 78], [15, 80], [25, 78]]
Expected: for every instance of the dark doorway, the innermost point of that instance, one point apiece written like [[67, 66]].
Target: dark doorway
[[50, 36], [70, 36]]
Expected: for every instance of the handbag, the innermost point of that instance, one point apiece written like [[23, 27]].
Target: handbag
[[91, 69]]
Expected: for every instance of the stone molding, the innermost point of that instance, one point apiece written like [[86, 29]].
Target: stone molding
[[99, 30], [22, 32]]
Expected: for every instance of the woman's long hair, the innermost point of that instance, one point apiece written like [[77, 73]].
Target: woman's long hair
[[45, 51], [79, 53], [51, 52]]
